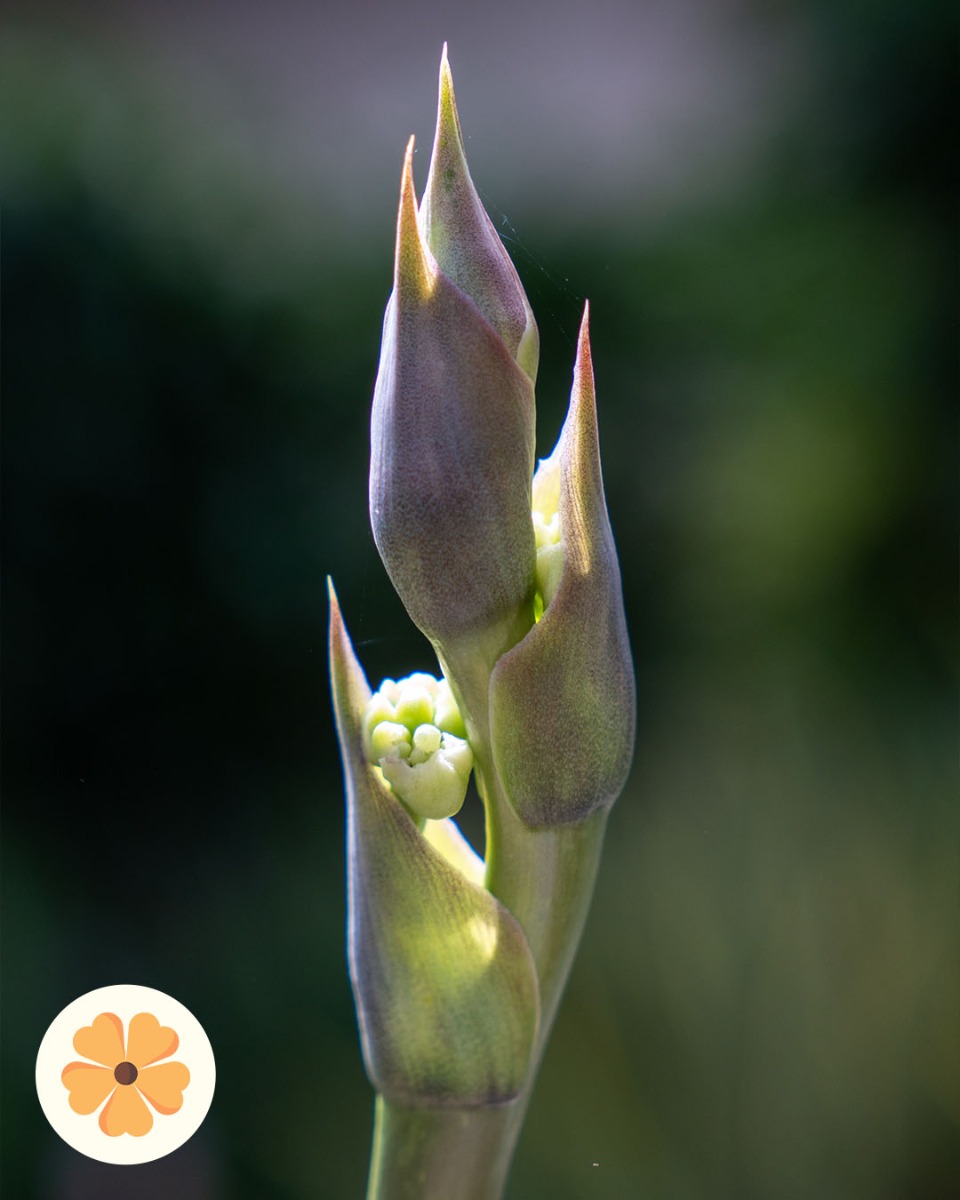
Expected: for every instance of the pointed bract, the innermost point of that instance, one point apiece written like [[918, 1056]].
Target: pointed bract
[[464, 242], [444, 983], [452, 432], [414, 267], [562, 702]]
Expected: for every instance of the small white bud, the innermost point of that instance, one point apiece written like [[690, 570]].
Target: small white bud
[[410, 731]]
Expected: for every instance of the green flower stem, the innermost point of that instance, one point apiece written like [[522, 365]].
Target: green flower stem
[[545, 877], [441, 1153]]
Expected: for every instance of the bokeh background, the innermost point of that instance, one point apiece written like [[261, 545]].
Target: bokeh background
[[197, 232]]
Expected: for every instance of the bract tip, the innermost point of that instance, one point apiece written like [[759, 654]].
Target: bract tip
[[412, 269], [583, 386], [448, 119]]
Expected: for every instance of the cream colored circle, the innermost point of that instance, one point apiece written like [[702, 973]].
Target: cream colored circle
[[170, 1131]]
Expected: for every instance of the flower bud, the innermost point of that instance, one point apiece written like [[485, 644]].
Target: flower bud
[[546, 530], [452, 427], [445, 985], [562, 702], [412, 730]]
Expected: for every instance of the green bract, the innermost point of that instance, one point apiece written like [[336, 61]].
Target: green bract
[[562, 703], [444, 983]]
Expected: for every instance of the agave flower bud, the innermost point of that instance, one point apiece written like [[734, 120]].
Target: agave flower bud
[[452, 427], [562, 702], [445, 985], [412, 730]]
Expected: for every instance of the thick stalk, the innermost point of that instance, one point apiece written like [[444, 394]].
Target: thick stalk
[[440, 1153], [545, 877]]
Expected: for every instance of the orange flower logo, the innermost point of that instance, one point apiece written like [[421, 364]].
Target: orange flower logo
[[125, 1074]]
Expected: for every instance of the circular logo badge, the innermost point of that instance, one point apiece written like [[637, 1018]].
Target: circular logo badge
[[125, 1074]]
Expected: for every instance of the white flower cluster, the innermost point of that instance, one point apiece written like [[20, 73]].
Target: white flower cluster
[[413, 731], [546, 528]]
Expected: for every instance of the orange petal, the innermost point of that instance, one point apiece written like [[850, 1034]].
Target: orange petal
[[102, 1041], [163, 1086], [88, 1085], [148, 1040], [125, 1112]]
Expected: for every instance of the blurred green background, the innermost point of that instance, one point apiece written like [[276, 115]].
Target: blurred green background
[[197, 233]]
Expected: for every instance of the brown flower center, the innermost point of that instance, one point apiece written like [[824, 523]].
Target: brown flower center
[[125, 1073]]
